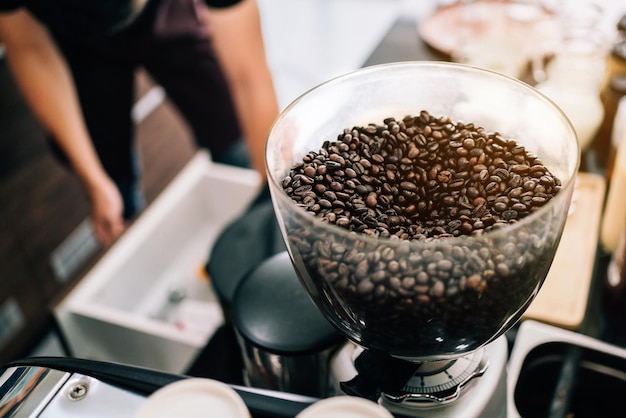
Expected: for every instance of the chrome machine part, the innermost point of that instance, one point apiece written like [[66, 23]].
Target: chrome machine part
[[32, 391], [59, 387], [441, 382], [473, 387]]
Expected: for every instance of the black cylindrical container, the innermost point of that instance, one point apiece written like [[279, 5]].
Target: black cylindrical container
[[286, 342]]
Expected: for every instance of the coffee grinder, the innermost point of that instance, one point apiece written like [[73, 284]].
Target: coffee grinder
[[425, 317]]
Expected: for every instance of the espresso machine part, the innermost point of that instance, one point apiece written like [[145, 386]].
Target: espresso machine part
[[62, 387], [48, 393], [286, 342], [50, 387], [351, 161], [472, 386]]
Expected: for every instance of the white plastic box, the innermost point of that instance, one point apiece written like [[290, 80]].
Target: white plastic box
[[119, 311]]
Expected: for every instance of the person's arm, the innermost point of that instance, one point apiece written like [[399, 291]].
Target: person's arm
[[238, 42], [45, 80]]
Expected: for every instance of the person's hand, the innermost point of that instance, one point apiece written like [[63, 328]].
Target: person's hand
[[106, 212], [45, 79]]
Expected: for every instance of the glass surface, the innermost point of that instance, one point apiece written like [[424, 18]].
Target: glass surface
[[422, 299]]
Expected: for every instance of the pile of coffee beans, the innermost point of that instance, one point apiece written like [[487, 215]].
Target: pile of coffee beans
[[422, 179]]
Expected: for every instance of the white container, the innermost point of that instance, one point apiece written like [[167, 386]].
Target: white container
[[345, 407], [194, 398], [119, 310]]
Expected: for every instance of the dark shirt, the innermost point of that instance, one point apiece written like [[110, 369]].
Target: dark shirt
[[87, 18]]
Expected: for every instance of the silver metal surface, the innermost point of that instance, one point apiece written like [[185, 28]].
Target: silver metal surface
[[484, 397], [25, 391], [533, 334], [84, 396], [30, 391], [442, 382], [306, 374]]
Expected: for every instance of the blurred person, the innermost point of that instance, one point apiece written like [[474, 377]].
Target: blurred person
[[75, 63]]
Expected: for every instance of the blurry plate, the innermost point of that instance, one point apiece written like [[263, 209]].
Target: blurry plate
[[451, 27]]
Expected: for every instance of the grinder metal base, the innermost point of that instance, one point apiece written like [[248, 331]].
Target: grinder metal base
[[473, 386]]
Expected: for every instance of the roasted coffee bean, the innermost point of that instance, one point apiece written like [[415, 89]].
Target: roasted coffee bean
[[422, 179]]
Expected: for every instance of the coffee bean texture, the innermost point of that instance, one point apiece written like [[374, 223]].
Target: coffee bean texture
[[415, 244]]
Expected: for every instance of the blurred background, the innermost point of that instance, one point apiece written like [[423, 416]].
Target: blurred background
[[45, 242]]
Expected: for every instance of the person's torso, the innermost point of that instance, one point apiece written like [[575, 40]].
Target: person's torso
[[85, 18]]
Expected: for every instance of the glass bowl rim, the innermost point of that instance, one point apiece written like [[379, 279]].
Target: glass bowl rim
[[495, 233]]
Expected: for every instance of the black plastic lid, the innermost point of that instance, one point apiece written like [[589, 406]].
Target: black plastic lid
[[273, 311]]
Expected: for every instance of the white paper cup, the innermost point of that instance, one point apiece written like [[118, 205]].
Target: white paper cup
[[345, 407], [194, 397]]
